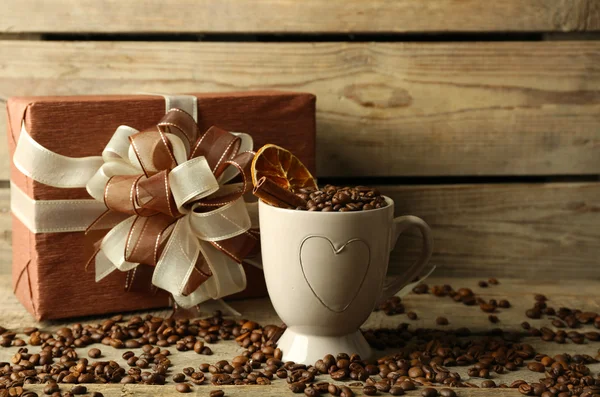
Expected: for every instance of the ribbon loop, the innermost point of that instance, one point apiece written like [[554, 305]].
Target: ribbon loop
[[154, 194], [191, 181], [221, 224]]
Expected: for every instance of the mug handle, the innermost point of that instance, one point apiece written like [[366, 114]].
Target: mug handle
[[401, 224]]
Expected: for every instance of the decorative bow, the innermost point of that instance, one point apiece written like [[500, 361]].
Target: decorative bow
[[168, 188]]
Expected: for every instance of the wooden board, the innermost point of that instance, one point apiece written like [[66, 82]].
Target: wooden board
[[507, 230], [290, 16], [582, 295], [384, 109], [519, 230]]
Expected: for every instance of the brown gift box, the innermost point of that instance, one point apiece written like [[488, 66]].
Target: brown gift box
[[49, 275]]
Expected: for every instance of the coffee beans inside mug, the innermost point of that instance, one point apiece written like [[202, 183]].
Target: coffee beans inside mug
[[341, 199]]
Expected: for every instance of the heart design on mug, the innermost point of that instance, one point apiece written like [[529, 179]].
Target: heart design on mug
[[350, 261]]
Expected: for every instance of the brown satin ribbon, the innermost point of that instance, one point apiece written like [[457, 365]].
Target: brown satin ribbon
[[148, 196]]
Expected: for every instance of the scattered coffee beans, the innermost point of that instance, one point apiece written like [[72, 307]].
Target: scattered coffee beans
[[423, 357], [391, 306], [341, 199], [441, 321]]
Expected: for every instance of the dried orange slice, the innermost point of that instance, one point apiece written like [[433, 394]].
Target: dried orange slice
[[280, 166]]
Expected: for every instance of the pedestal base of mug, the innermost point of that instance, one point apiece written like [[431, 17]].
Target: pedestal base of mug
[[306, 349]]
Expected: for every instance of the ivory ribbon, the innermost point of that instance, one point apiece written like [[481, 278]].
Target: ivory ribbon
[[197, 224]]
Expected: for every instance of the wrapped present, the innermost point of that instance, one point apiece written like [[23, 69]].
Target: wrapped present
[[125, 203]]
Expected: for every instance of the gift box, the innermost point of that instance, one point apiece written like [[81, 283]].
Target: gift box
[[50, 276]]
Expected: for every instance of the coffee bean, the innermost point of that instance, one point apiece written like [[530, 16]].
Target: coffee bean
[[70, 379], [538, 389], [421, 289], [488, 384], [504, 304], [525, 325], [338, 375], [128, 380], [407, 385], [217, 393], [415, 372], [482, 284], [97, 394], [487, 307], [370, 390], [15, 391], [346, 392], [333, 390], [396, 391], [94, 353], [183, 388], [447, 392], [79, 389], [429, 392], [311, 392], [493, 319], [297, 387], [343, 363], [539, 297], [536, 367], [411, 315], [441, 321], [178, 378], [86, 378], [533, 313], [51, 388]]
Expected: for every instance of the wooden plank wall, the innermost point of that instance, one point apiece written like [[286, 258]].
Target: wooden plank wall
[[460, 110]]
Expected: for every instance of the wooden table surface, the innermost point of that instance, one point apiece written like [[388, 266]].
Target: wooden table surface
[[581, 295]]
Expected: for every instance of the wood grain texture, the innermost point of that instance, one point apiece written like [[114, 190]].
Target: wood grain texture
[[384, 109], [519, 230], [290, 16], [582, 295], [505, 230]]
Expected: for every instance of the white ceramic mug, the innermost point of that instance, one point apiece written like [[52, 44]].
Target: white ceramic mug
[[325, 273]]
